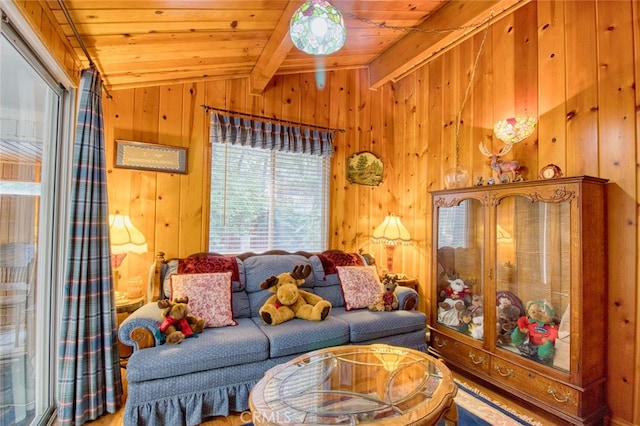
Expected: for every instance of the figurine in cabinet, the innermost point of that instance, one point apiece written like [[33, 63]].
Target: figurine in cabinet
[[540, 327]]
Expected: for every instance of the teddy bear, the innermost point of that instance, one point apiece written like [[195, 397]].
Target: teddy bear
[[465, 321], [477, 316], [289, 301], [508, 310], [387, 299], [540, 327], [507, 320], [456, 295], [178, 322]]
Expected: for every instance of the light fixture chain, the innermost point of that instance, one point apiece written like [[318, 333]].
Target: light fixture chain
[[468, 89], [416, 29]]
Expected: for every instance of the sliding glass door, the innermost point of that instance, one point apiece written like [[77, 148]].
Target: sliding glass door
[[32, 230]]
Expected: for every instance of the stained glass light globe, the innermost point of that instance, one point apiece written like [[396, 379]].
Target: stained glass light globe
[[317, 28], [514, 129]]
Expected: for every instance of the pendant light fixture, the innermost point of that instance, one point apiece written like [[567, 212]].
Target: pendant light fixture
[[317, 28]]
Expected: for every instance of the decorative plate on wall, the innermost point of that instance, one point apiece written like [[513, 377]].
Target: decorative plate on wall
[[364, 168]]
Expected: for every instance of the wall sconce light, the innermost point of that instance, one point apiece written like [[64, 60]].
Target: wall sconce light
[[392, 233], [125, 238], [317, 28], [514, 129]]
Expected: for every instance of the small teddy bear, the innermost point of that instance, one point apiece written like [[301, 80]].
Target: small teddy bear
[[456, 295], [178, 322], [387, 299]]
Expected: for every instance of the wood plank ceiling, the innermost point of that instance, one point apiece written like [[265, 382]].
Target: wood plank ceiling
[[137, 43]]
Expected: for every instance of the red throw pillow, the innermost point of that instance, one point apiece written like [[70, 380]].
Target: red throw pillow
[[331, 260], [210, 264]]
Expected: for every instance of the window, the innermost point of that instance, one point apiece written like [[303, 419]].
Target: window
[[263, 199], [34, 119], [453, 223]]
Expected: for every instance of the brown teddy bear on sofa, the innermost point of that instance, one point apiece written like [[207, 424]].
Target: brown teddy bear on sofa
[[387, 299], [289, 301], [178, 322]]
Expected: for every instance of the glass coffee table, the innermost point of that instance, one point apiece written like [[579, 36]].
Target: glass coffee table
[[344, 385]]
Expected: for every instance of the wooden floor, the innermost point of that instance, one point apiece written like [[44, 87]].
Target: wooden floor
[[241, 419]]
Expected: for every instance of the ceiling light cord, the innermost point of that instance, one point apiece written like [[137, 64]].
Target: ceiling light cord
[[416, 29], [468, 89]]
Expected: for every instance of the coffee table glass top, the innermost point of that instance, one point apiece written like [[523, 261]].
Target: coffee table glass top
[[351, 385]]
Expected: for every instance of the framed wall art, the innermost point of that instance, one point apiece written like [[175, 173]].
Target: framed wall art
[[150, 156], [364, 168]]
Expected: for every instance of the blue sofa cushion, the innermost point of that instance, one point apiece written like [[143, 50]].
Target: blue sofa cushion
[[332, 293], [298, 336], [213, 348], [259, 268], [367, 325], [240, 303]]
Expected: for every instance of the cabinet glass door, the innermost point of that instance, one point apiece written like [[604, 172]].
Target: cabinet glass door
[[460, 258], [533, 279]]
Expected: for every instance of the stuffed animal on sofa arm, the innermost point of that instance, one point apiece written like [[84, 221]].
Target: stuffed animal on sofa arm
[[387, 299], [289, 301], [178, 322], [540, 327]]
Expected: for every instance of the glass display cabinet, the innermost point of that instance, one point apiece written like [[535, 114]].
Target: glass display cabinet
[[519, 290]]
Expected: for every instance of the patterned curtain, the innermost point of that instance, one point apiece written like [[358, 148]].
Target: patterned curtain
[[89, 381], [267, 135]]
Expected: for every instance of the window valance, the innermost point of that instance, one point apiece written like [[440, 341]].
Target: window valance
[[275, 136]]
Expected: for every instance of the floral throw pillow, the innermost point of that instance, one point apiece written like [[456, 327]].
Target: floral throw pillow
[[209, 296], [360, 285]]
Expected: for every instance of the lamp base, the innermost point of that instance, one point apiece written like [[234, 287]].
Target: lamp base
[[390, 250]]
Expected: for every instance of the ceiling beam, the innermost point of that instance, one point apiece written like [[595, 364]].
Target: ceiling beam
[[274, 52], [418, 46]]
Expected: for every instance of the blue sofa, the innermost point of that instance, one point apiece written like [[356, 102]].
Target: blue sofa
[[212, 375]]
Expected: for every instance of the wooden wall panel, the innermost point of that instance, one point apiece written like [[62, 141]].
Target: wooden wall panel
[[617, 139], [581, 70], [551, 57], [574, 65], [480, 103], [636, 338]]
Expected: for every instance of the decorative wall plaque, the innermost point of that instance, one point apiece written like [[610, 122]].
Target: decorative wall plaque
[[364, 168], [152, 157]]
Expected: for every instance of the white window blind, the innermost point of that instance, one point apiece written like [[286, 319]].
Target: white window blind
[[453, 225], [263, 200]]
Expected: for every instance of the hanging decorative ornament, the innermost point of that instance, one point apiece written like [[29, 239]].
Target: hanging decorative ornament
[[456, 177], [317, 28]]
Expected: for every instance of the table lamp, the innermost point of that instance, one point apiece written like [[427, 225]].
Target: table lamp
[[392, 233], [125, 238]]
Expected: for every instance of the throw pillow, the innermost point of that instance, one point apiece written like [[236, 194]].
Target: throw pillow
[[208, 264], [331, 260], [360, 285], [209, 296]]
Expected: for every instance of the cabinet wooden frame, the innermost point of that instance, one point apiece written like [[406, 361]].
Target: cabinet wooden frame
[[576, 394]]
